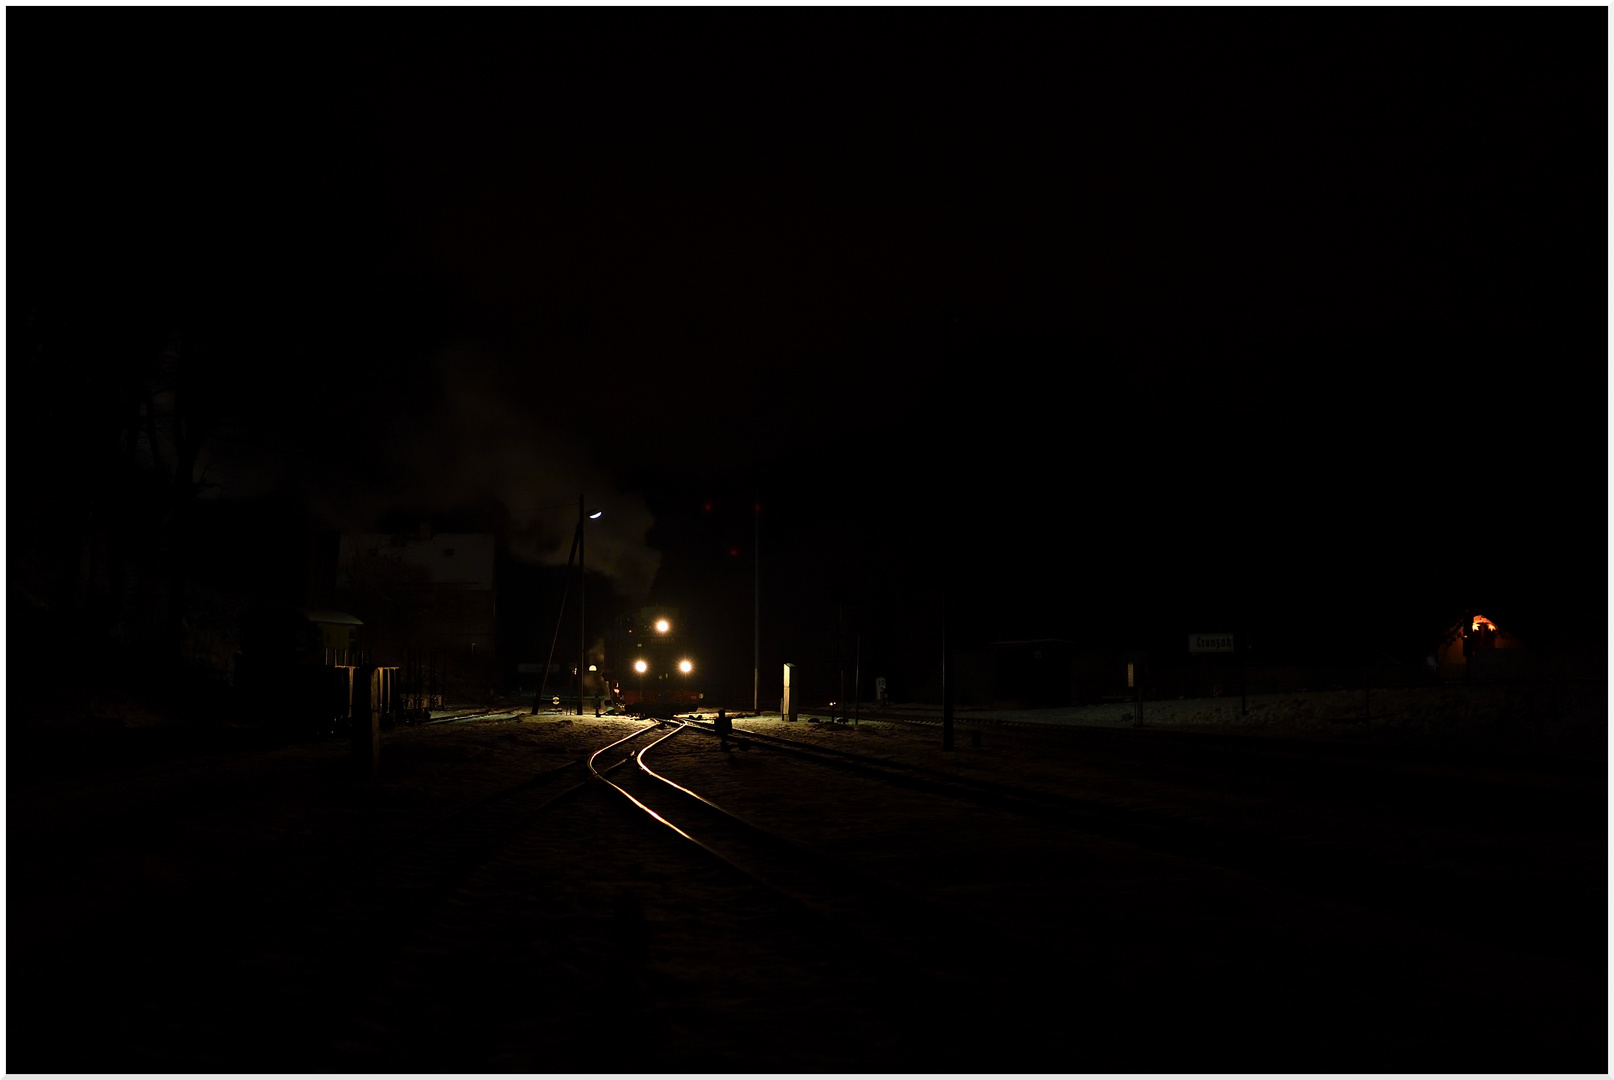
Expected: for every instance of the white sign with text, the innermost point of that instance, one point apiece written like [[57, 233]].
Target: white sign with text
[[1210, 643]]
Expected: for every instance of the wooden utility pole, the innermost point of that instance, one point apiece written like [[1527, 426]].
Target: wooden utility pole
[[857, 672], [543, 683], [947, 679], [582, 641], [1138, 678], [756, 600]]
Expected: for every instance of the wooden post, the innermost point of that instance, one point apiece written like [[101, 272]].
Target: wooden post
[[947, 678], [857, 671], [1244, 688], [787, 704], [365, 749]]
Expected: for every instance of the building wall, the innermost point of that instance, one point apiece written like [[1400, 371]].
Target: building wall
[[421, 592]]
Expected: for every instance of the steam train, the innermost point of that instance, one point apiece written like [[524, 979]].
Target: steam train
[[655, 673]]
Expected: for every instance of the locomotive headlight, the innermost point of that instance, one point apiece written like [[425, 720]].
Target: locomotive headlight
[[641, 667], [685, 666], [662, 626]]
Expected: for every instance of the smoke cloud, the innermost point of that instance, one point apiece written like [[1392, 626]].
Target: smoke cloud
[[493, 434]]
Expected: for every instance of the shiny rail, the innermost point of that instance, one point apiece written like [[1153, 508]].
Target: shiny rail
[[879, 915]]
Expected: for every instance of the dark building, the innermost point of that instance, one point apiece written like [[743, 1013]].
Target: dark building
[[424, 597], [1053, 672]]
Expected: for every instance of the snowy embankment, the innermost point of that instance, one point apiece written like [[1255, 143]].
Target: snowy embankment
[[1569, 717]]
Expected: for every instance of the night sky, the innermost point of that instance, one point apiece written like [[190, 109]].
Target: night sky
[[1104, 324]]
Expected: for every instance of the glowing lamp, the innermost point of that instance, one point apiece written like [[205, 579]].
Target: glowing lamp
[[685, 666], [641, 667]]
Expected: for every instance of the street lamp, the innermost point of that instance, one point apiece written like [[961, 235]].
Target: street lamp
[[582, 641], [582, 591], [756, 599]]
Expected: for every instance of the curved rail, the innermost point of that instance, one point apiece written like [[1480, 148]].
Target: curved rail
[[598, 774], [885, 918], [629, 796], [936, 781]]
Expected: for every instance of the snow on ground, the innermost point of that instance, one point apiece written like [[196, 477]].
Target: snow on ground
[[192, 834], [1567, 719]]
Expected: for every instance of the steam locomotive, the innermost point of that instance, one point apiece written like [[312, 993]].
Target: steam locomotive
[[655, 673]]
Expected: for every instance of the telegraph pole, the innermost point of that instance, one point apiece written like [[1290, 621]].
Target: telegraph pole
[[756, 599], [947, 678], [857, 674], [555, 640], [582, 640]]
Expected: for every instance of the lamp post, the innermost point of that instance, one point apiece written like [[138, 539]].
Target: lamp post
[[582, 591], [582, 641], [756, 600]]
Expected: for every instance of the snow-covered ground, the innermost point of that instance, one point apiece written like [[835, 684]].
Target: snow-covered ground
[[139, 851], [1569, 718]]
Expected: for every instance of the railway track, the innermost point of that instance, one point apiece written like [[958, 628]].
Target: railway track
[[515, 933], [1347, 858], [922, 778], [883, 917], [1436, 895], [761, 896]]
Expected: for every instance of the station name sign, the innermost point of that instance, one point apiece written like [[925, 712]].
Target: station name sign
[[1210, 643]]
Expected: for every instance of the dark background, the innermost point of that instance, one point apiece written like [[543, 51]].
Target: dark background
[[1109, 325]]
